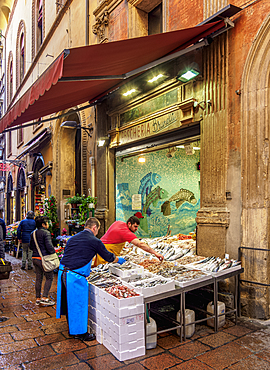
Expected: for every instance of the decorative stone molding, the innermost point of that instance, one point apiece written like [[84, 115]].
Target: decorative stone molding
[[100, 26], [213, 216], [145, 5]]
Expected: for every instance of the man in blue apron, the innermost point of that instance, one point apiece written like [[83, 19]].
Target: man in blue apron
[[72, 286]]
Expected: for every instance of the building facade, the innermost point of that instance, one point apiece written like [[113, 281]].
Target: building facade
[[224, 184]]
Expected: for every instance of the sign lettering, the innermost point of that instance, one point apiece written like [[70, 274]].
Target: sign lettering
[[151, 127]]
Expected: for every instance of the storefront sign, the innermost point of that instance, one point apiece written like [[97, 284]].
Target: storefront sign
[[154, 126], [4, 167]]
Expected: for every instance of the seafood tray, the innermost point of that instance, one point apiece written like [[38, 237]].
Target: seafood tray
[[153, 286], [187, 278], [126, 270], [117, 303], [135, 278], [226, 271]]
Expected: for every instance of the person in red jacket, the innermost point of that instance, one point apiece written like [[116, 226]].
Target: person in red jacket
[[121, 232]]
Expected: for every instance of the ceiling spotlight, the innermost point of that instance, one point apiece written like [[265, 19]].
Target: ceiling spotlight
[[155, 78], [188, 75], [141, 159], [129, 92]]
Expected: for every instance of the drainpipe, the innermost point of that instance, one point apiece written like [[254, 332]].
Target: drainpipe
[[92, 173], [86, 22]]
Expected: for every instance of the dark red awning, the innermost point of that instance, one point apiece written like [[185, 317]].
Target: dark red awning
[[60, 87]]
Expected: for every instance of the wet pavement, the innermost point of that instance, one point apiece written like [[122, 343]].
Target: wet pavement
[[32, 338]]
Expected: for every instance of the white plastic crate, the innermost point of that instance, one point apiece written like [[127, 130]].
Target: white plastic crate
[[93, 327], [131, 350], [125, 320], [121, 302], [124, 311], [151, 291], [137, 270], [94, 314]]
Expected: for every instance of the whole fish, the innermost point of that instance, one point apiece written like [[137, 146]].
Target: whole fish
[[183, 195], [153, 198], [147, 182]]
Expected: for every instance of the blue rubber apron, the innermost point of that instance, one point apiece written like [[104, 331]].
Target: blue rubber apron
[[77, 298]]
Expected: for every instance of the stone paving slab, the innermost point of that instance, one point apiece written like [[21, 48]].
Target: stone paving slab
[[32, 338]]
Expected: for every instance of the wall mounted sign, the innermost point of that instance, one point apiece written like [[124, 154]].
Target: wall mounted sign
[[4, 167], [151, 127]]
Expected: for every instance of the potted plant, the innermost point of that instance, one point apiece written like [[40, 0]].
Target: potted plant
[[74, 201], [87, 205]]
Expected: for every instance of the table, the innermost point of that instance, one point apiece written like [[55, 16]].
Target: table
[[181, 292]]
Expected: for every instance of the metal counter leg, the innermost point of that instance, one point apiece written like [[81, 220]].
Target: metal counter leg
[[216, 305]]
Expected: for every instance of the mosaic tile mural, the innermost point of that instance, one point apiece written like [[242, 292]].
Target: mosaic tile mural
[[169, 184]]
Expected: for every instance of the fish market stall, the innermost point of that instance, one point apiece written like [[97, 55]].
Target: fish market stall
[[120, 296]]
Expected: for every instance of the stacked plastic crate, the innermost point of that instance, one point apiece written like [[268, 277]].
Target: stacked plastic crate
[[122, 322], [117, 323]]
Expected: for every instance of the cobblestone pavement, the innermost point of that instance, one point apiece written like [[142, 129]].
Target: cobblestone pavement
[[32, 338]]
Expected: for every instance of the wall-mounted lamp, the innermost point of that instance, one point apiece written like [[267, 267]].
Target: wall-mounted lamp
[[129, 92], [74, 124], [141, 159], [1, 152], [103, 141], [188, 73], [156, 78]]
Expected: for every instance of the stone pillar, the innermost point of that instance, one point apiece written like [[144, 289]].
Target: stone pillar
[[255, 93]]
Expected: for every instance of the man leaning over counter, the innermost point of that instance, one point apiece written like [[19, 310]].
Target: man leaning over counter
[[118, 234], [72, 286]]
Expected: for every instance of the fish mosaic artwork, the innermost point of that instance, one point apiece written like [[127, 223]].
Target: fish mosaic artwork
[[152, 198], [147, 183], [183, 195]]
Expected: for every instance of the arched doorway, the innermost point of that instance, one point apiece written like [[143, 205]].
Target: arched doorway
[[9, 199], [20, 195], [38, 186]]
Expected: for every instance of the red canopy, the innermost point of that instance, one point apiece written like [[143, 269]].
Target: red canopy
[[60, 87]]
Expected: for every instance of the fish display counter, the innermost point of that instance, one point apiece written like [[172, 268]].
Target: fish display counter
[[119, 295]]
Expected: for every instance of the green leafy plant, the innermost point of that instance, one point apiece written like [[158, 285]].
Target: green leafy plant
[[50, 210], [85, 209], [76, 199]]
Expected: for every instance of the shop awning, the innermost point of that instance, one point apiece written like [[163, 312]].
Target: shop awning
[[36, 142], [86, 73]]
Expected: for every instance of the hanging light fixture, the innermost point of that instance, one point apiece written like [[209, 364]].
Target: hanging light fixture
[[141, 159]]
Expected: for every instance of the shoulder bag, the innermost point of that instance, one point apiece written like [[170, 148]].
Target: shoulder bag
[[49, 262]]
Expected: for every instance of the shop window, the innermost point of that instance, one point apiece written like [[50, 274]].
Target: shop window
[[9, 143], [19, 136], [39, 23], [10, 95], [37, 125], [20, 54], [147, 16], [155, 20], [22, 58]]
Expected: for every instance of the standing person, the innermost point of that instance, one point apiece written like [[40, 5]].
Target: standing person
[[25, 228], [72, 286], [119, 233], [2, 245], [44, 241]]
